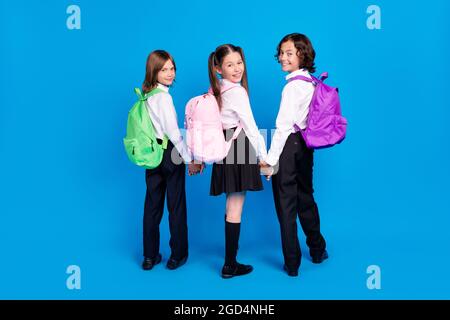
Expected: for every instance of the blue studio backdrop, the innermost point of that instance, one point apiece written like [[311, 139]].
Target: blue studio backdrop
[[72, 203]]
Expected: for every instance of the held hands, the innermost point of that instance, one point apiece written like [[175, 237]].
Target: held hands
[[195, 168], [266, 170]]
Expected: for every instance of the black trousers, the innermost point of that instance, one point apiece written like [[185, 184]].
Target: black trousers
[[293, 191], [168, 178]]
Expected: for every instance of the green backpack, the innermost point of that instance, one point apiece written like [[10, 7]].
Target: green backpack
[[140, 143]]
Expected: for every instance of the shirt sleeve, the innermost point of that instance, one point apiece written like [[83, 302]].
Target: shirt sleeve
[[287, 115], [169, 125], [241, 105]]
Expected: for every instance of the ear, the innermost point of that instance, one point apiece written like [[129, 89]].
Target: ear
[[218, 70]]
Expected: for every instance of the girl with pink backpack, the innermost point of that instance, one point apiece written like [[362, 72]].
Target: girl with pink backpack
[[239, 172], [290, 154]]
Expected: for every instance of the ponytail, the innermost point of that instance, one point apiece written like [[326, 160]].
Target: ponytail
[[213, 79]]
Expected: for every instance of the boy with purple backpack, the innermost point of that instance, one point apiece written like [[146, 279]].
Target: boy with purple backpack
[[291, 153]]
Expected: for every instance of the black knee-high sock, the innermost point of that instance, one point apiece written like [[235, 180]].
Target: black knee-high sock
[[232, 231]]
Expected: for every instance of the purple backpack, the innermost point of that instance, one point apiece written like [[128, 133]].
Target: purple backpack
[[325, 124]]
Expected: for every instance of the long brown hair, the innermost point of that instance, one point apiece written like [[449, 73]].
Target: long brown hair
[[305, 50], [216, 60], [155, 62]]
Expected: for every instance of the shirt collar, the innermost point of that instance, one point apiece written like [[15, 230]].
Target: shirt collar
[[163, 87], [228, 82], [301, 72]]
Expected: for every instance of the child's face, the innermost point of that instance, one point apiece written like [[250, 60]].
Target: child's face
[[288, 57], [232, 67], [167, 74]]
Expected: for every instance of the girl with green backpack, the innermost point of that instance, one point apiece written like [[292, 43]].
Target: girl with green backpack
[[169, 176]]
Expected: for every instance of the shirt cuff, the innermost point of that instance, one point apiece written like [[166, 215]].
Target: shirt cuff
[[187, 158], [271, 160]]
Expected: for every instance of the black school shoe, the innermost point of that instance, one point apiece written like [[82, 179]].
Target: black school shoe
[[149, 263], [173, 264], [320, 257], [236, 270], [290, 272]]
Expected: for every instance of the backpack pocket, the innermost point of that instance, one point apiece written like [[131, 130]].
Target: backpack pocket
[[147, 154], [131, 148]]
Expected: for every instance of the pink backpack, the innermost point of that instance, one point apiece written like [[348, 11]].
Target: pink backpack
[[204, 133]]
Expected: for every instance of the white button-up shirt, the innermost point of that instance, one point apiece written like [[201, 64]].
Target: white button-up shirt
[[294, 108], [236, 109], [164, 118]]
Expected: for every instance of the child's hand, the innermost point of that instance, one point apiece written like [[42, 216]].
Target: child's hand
[[195, 168], [266, 170]]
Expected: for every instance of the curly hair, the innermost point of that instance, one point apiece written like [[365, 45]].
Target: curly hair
[[305, 51]]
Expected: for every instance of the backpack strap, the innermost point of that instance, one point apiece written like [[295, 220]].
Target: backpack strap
[[223, 90], [234, 137], [139, 94], [236, 132], [164, 142], [239, 127], [300, 78], [229, 87], [313, 79], [323, 76], [144, 97]]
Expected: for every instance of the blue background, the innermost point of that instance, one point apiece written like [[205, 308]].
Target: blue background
[[69, 195]]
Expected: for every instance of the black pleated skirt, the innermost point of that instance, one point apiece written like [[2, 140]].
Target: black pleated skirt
[[239, 171]]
